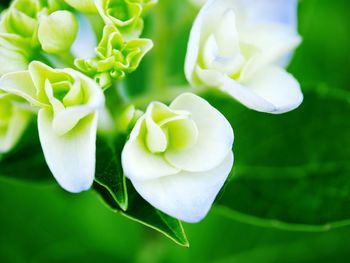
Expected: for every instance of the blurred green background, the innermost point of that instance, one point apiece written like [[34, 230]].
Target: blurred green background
[[289, 195]]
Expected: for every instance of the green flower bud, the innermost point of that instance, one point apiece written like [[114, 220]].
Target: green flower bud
[[84, 6], [115, 56], [57, 31]]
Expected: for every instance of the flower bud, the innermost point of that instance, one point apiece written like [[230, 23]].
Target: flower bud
[[178, 157], [57, 31]]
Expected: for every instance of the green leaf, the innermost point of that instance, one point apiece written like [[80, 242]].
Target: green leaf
[[109, 173], [308, 66], [26, 161], [142, 212], [291, 171], [110, 184]]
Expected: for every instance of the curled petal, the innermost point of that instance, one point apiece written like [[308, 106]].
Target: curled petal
[[273, 90], [20, 83], [186, 196], [138, 162]]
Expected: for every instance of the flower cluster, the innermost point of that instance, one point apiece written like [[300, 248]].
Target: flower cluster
[[58, 59]]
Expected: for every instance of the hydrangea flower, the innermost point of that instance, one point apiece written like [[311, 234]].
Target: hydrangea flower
[[178, 157], [241, 47], [68, 103]]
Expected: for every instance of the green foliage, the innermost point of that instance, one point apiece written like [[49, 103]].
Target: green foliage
[[109, 173], [26, 161], [291, 169]]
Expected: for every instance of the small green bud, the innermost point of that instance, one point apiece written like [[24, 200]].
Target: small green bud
[[57, 31]]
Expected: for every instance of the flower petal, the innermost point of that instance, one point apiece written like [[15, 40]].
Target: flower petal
[[208, 19], [67, 118], [215, 135], [273, 90], [273, 43], [138, 162], [186, 196], [71, 157], [21, 84], [271, 11]]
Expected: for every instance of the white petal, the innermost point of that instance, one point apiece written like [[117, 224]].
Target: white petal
[[156, 138], [71, 158], [20, 83], [211, 77], [215, 136], [272, 90], [186, 196], [138, 162], [270, 11], [273, 43]]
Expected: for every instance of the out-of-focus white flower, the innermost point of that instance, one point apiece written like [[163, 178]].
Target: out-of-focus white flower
[[241, 47], [67, 119], [13, 121], [178, 157]]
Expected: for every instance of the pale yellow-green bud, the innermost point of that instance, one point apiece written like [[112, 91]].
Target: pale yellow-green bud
[[57, 31], [85, 6]]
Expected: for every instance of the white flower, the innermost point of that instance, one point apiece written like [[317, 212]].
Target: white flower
[[241, 47], [13, 121], [67, 119], [178, 157]]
